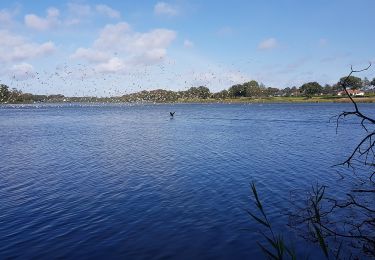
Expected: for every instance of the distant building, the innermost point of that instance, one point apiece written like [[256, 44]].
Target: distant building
[[296, 93], [352, 92]]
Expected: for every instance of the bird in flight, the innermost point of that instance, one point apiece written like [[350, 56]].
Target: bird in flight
[[172, 113]]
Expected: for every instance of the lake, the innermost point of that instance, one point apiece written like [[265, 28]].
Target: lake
[[127, 181]]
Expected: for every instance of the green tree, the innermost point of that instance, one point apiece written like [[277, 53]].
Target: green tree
[[351, 82], [16, 96], [366, 82], [311, 88], [237, 90], [372, 82], [252, 89], [328, 90], [203, 92], [192, 92], [272, 91], [4, 93], [286, 91], [221, 95]]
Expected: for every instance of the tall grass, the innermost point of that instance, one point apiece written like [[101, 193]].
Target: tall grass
[[275, 246]]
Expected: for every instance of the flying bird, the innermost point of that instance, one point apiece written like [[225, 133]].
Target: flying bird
[[172, 113]]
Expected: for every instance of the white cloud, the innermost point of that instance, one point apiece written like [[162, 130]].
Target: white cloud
[[152, 40], [188, 44], [5, 17], [90, 55], [108, 11], [22, 71], [30, 50], [163, 8], [268, 44], [76, 14], [8, 40], [112, 65], [118, 47], [112, 35], [39, 23], [17, 48], [79, 10], [149, 57]]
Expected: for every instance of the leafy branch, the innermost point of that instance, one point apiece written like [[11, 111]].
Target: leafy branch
[[336, 225]]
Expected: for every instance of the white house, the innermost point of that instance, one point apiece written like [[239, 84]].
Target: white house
[[352, 92]]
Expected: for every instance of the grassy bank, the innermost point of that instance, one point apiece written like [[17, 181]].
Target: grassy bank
[[317, 99]]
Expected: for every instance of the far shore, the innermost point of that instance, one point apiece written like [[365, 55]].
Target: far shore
[[300, 99], [316, 99]]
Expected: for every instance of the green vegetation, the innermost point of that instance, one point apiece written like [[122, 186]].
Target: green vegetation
[[311, 88], [352, 82], [342, 227], [250, 92], [277, 248]]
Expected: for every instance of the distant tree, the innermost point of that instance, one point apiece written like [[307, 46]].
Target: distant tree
[[252, 89], [4, 93], [352, 82], [372, 83], [336, 87], [39, 98], [181, 94], [192, 92], [289, 91], [27, 97], [328, 90], [295, 91], [221, 95], [16, 96], [237, 90], [286, 91], [272, 91], [253, 83], [203, 92], [366, 82], [311, 88], [56, 97]]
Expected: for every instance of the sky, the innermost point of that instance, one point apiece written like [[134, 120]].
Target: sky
[[110, 48]]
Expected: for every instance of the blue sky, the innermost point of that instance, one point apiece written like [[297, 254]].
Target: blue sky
[[115, 47]]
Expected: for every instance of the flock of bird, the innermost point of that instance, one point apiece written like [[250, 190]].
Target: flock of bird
[[83, 80]]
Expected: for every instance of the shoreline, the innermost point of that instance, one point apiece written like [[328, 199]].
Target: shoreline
[[280, 100]]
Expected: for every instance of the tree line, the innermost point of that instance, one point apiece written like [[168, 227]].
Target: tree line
[[251, 89], [254, 89]]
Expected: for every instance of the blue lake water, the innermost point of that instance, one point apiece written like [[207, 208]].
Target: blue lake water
[[126, 181]]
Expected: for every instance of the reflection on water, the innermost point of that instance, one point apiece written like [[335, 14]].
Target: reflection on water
[[126, 181]]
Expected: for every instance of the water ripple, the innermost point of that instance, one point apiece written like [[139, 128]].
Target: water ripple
[[126, 181]]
